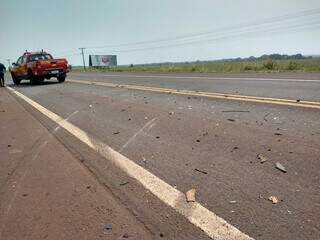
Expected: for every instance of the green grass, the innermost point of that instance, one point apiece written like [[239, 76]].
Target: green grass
[[306, 65]]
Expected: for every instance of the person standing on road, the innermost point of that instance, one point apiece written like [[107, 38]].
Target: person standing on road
[[2, 71]]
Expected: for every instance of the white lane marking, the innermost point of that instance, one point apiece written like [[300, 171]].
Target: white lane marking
[[211, 78], [214, 226], [148, 124]]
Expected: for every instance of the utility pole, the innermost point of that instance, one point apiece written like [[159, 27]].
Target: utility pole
[[9, 62], [84, 64]]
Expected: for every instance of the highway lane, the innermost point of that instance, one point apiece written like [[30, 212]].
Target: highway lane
[[218, 137], [288, 86]]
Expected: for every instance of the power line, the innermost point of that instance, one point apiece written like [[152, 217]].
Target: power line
[[232, 36], [287, 17]]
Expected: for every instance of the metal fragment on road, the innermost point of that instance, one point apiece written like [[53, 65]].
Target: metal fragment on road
[[273, 199], [200, 171], [280, 167], [262, 158], [191, 195]]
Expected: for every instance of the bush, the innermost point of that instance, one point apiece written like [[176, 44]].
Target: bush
[[292, 66], [270, 65], [248, 68]]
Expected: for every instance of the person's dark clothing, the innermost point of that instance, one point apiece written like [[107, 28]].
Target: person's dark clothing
[[2, 71]]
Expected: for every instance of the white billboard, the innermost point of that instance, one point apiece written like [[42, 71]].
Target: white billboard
[[102, 60]]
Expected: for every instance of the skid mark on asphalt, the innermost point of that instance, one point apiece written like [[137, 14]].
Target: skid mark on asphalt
[[215, 95], [148, 125], [214, 226]]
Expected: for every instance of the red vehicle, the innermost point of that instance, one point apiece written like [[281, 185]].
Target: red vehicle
[[38, 66]]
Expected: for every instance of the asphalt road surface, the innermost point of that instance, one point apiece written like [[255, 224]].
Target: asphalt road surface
[[219, 134]]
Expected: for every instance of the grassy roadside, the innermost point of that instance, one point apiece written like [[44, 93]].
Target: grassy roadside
[[305, 65]]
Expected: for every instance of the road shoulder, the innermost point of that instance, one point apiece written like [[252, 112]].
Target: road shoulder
[[46, 193]]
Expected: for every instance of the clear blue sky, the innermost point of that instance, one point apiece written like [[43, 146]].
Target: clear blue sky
[[62, 26]]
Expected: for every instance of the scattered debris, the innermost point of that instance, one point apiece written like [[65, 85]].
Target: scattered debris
[[231, 120], [9, 145], [200, 171], [145, 118], [88, 187], [115, 133], [236, 111], [280, 167], [124, 183], [171, 113], [298, 100], [122, 110], [144, 160], [129, 119], [189, 107], [161, 235], [157, 137], [278, 134], [273, 199], [25, 194], [191, 195], [233, 202], [90, 106], [262, 158], [197, 140]]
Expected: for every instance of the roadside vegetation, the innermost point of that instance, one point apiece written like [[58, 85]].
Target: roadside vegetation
[[269, 65]]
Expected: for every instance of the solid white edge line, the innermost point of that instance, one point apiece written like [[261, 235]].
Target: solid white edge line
[[214, 226]]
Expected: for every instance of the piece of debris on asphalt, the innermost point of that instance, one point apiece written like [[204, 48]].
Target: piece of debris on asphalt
[[262, 158], [189, 107], [205, 134], [233, 202], [107, 228], [200, 171], [9, 145], [198, 140], [90, 106], [122, 110], [265, 117], [298, 100], [231, 120], [191, 195], [280, 167], [273, 199], [278, 134], [236, 111], [124, 183], [171, 113], [129, 119], [145, 118], [115, 133], [144, 160], [125, 235], [234, 148]]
